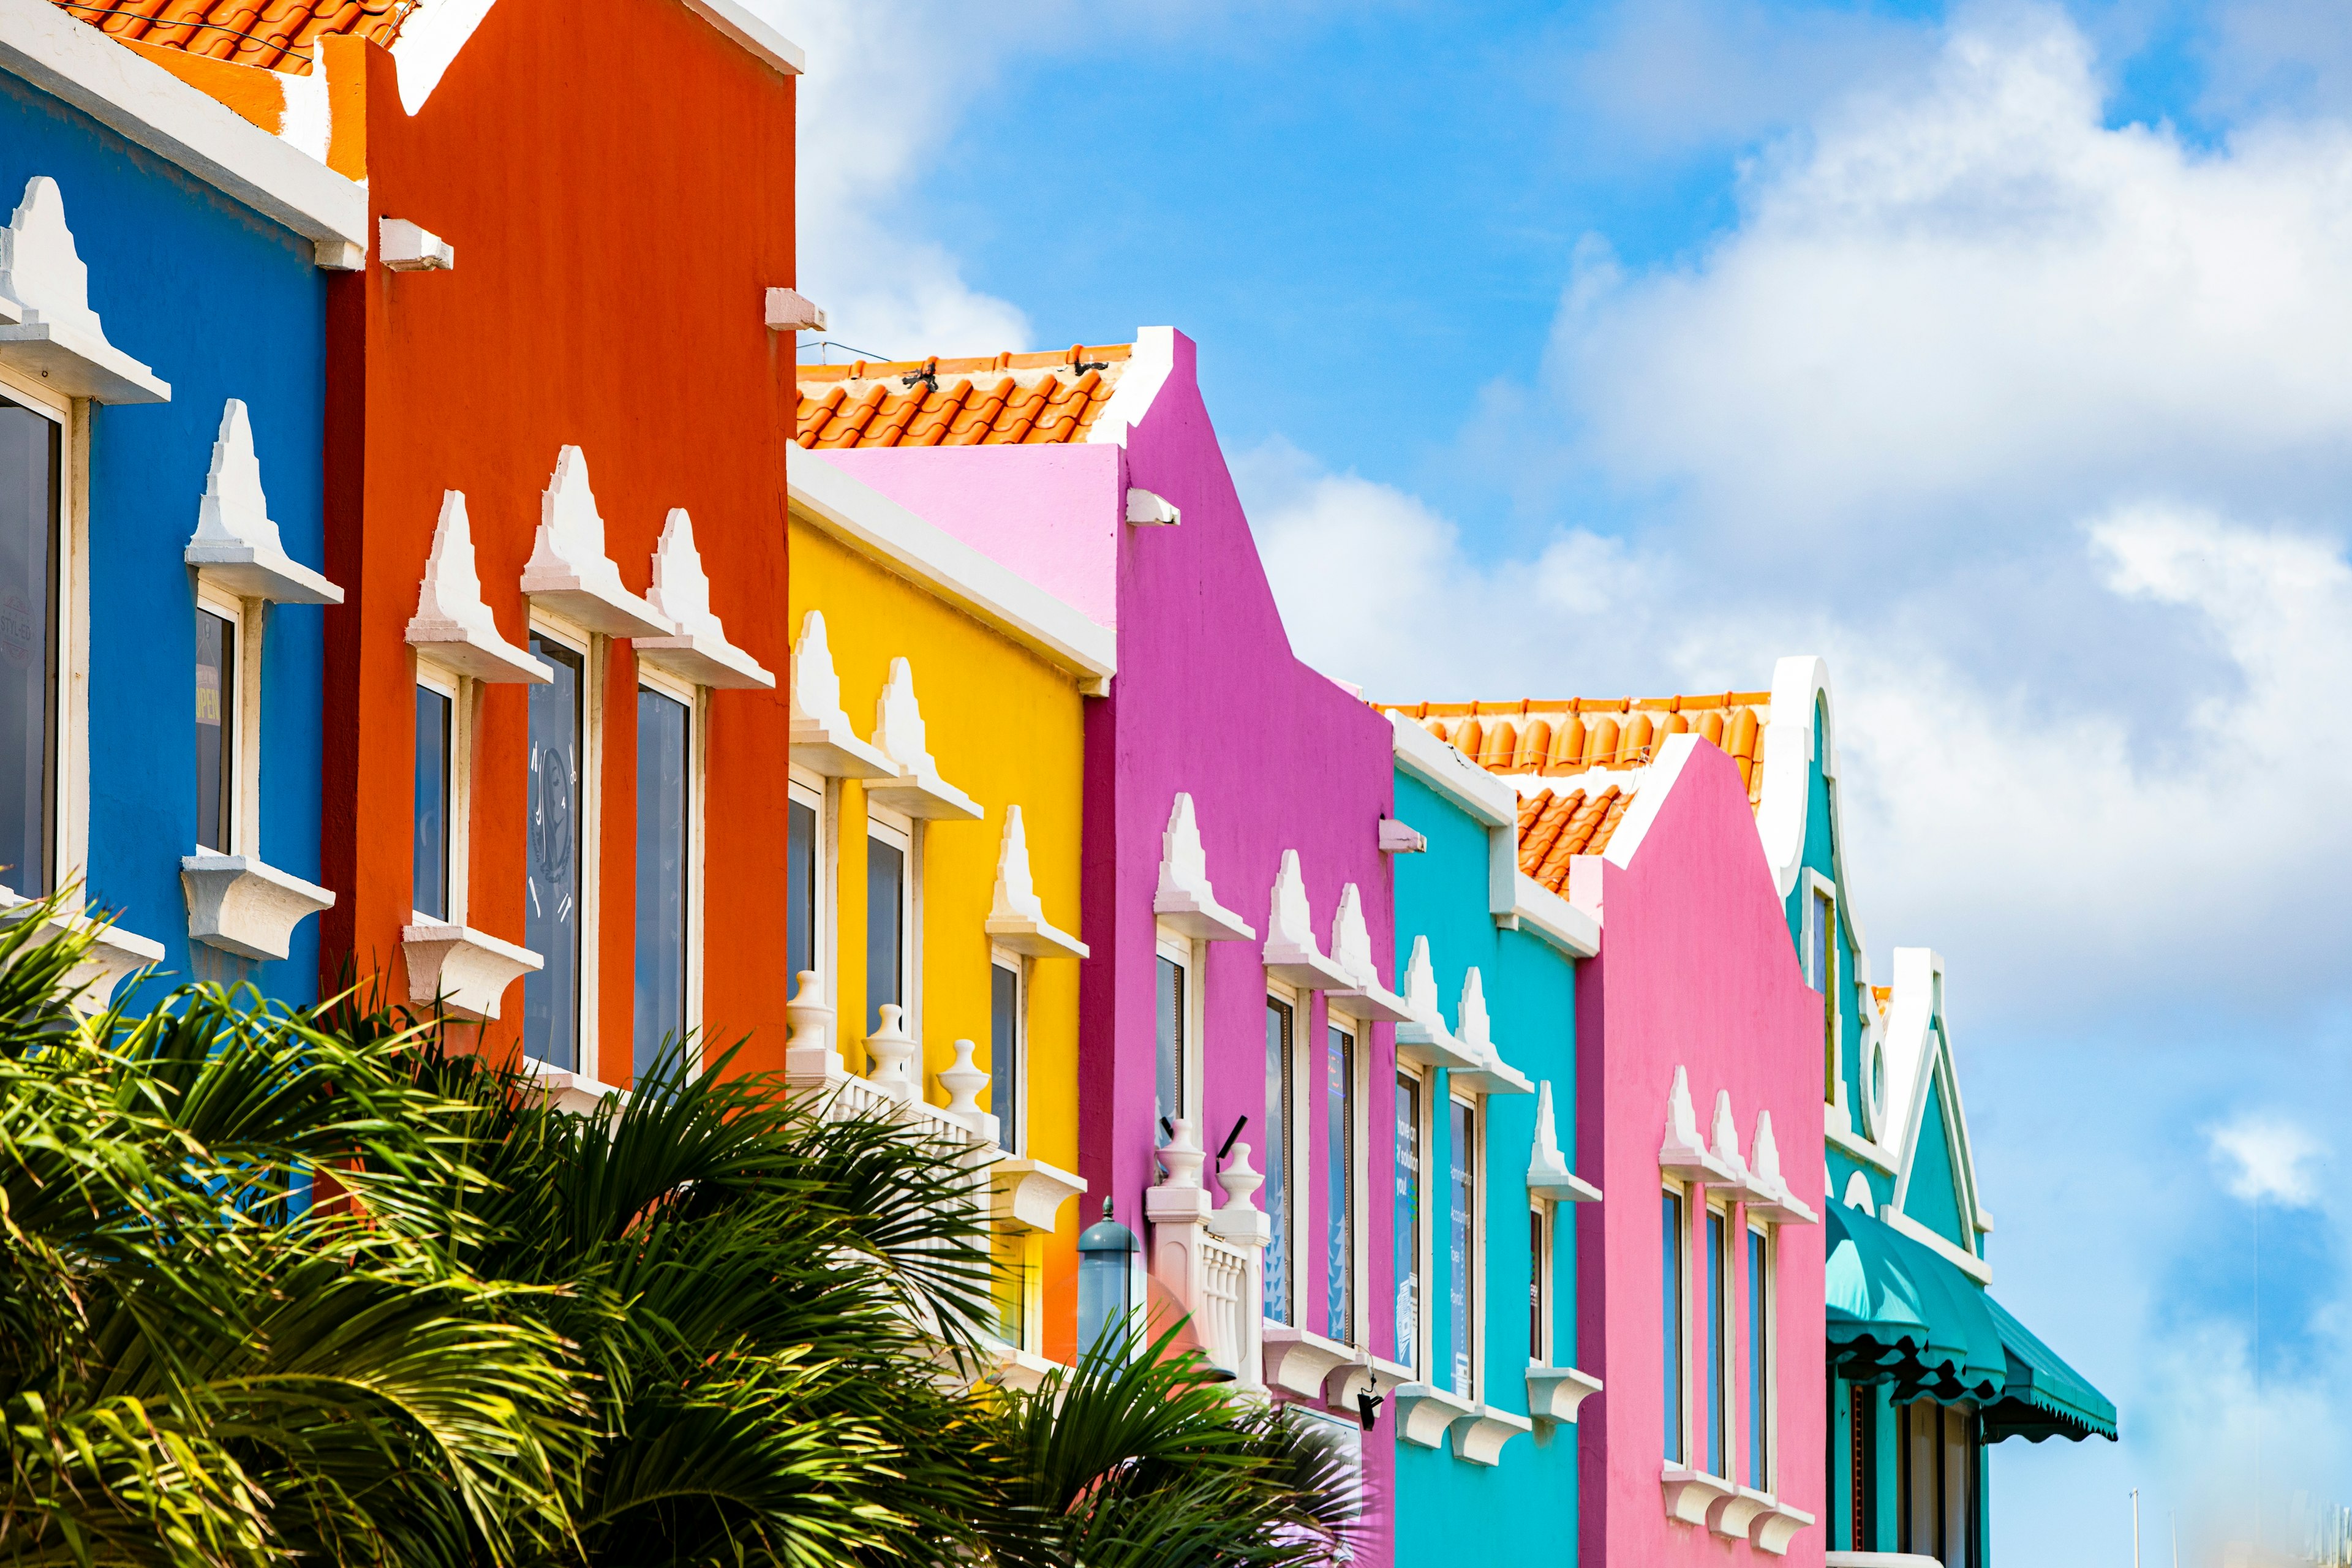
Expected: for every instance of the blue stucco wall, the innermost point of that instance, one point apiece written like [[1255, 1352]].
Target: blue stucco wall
[[223, 303], [1525, 1508]]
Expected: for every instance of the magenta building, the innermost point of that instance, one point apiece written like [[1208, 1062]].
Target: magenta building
[[1237, 1060]]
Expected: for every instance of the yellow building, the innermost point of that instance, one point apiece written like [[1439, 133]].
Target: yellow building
[[935, 856]]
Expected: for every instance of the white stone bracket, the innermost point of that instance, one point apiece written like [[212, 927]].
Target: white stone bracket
[[467, 971], [240, 905]]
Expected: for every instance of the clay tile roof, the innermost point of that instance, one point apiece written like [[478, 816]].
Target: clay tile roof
[[1585, 741], [1010, 400], [274, 34]]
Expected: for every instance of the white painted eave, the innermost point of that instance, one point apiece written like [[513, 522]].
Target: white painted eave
[[880, 529], [747, 30], [1443, 767], [129, 93]]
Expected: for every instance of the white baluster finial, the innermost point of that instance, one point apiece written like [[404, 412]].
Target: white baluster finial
[[889, 1051], [963, 1080]]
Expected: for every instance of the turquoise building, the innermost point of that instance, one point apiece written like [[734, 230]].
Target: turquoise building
[[1485, 1201], [164, 289]]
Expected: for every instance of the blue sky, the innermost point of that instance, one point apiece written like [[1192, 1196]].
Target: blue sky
[[2001, 354]]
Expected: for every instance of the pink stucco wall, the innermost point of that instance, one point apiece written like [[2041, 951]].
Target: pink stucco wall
[[1208, 698], [1696, 969]]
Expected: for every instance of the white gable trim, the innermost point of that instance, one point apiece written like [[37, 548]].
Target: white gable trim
[[1665, 770], [1441, 765], [1149, 366], [1917, 1036], [129, 93]]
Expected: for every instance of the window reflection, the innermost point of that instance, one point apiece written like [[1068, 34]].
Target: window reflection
[[550, 995], [664, 732]]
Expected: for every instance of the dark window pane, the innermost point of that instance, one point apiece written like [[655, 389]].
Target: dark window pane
[[1169, 1080], [1279, 1164], [550, 995], [215, 730], [31, 474], [1404, 1226], [665, 730], [1461, 1242], [1339, 1157], [886, 929], [799, 896], [429, 875], [1004, 1066]]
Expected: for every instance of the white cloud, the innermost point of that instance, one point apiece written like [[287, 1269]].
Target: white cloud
[[2268, 1158], [1964, 290]]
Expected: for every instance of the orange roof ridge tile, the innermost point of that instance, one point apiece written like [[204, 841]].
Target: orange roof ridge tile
[[276, 35], [1007, 399]]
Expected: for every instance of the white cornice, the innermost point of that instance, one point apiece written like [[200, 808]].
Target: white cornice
[[122, 90], [1441, 765], [880, 529]]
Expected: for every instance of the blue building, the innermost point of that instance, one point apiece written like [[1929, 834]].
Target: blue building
[[1485, 1220], [164, 288]]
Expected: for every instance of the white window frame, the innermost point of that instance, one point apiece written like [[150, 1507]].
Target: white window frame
[[816, 791], [1187, 954], [1298, 1134], [906, 833], [69, 780], [1769, 1349], [242, 711], [1016, 1093], [1423, 1117], [593, 649], [458, 809], [1476, 1276], [1358, 1321], [697, 699]]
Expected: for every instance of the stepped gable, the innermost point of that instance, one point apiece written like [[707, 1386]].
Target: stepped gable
[[1598, 751], [1011, 400], [277, 35]]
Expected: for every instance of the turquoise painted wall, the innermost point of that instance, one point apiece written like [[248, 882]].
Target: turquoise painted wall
[[1524, 1509], [1934, 1197]]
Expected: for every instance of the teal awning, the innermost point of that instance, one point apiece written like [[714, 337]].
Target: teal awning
[[1899, 1312], [2043, 1396]]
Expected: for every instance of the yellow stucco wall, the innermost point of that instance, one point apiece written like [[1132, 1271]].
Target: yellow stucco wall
[[1006, 727]]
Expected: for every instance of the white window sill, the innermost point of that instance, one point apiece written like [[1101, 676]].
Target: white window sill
[[241, 906], [1479, 1436], [1300, 1360], [1425, 1411], [73, 365], [1555, 1392], [467, 971], [114, 955], [1030, 1192], [1691, 1494], [573, 1091]]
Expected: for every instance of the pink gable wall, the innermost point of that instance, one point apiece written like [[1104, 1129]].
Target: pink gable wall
[[1696, 969]]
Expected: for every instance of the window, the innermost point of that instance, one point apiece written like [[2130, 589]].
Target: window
[[1171, 1065], [1760, 1359], [1461, 1244], [435, 758], [1719, 1344], [665, 774], [889, 855], [217, 728], [32, 513], [1671, 1254], [1281, 1029], [804, 853], [1338, 1185], [1007, 1073], [554, 886], [1941, 1467], [1821, 970], [1404, 1222], [1539, 1282]]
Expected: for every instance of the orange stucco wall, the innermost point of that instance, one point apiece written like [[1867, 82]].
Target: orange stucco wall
[[618, 186]]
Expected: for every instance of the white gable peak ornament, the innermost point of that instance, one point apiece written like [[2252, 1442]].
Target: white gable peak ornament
[[1184, 900], [1017, 916], [452, 626], [570, 572], [236, 546], [699, 650], [46, 328], [1291, 953], [901, 736]]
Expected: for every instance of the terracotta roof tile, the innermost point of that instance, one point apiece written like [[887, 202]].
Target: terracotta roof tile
[[274, 34], [1008, 401], [1576, 738]]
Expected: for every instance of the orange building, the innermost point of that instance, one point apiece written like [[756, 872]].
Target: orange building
[[554, 768]]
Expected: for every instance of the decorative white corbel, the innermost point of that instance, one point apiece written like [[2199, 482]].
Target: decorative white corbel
[[822, 738], [452, 626], [569, 571], [1425, 1038], [1555, 1392], [1184, 899], [1352, 949], [1017, 918], [901, 736], [466, 970], [1683, 1155], [242, 906], [699, 650], [1292, 955], [1489, 1073], [236, 546], [1547, 1173], [46, 327]]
